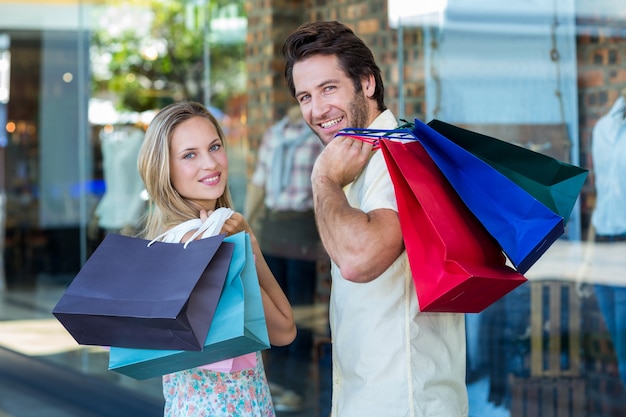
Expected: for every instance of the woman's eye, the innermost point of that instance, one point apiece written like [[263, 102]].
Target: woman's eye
[[188, 155], [215, 147]]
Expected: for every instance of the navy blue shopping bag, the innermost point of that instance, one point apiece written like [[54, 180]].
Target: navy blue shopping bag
[[523, 226]]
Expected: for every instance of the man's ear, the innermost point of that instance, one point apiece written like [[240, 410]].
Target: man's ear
[[368, 84]]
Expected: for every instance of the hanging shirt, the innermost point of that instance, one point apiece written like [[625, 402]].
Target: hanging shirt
[[121, 204], [390, 359], [608, 151], [285, 162]]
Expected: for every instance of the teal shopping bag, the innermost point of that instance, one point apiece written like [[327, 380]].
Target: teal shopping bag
[[554, 183], [238, 327]]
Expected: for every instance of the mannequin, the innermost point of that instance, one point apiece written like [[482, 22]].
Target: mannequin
[[280, 199], [122, 206], [608, 220]]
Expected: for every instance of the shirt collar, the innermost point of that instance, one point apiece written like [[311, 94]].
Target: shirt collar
[[617, 111], [385, 120]]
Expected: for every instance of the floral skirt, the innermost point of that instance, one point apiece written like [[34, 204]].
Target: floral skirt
[[200, 392]]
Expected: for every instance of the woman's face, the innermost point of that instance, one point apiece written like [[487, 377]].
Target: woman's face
[[198, 162]]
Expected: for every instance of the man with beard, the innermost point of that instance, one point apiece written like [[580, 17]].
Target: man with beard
[[389, 359]]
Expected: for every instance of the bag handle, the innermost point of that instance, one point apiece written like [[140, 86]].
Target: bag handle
[[210, 227], [403, 132], [213, 224]]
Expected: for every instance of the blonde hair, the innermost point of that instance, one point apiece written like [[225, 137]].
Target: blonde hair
[[166, 207]]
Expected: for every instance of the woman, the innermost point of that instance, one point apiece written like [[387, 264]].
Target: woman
[[184, 166]]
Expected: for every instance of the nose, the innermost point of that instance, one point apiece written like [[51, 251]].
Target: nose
[[208, 161], [319, 108]]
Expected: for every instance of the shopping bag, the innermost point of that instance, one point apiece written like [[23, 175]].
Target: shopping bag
[[235, 364], [554, 183], [135, 293], [456, 265], [238, 327], [522, 225]]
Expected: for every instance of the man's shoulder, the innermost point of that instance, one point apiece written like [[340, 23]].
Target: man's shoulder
[[385, 120]]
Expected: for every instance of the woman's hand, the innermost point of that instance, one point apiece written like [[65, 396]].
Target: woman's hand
[[235, 224], [205, 215]]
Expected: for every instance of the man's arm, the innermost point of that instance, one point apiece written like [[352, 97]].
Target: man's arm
[[363, 245]]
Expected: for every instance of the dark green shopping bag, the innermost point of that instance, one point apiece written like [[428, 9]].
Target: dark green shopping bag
[[554, 183]]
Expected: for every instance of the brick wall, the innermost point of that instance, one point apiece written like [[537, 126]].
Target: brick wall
[[269, 23]]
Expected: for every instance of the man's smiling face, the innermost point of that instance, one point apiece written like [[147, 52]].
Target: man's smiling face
[[327, 97]]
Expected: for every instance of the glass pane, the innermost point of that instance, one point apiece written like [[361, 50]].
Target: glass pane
[[80, 81]]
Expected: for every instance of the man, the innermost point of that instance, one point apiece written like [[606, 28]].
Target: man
[[389, 359]]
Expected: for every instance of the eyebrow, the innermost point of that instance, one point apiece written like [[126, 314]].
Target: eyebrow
[[185, 150], [320, 85], [195, 148]]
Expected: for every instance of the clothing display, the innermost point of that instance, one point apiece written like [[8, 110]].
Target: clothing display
[[122, 205], [289, 240], [390, 359], [283, 171], [285, 161], [608, 150]]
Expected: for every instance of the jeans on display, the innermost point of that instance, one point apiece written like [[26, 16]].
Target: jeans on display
[[612, 303]]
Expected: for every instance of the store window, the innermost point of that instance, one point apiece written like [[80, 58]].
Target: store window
[[79, 82]]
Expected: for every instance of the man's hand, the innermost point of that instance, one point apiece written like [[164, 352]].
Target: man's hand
[[342, 160]]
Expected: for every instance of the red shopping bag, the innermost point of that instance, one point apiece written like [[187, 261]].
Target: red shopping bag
[[457, 266]]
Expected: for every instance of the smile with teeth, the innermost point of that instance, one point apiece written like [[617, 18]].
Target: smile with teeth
[[331, 123], [214, 179]]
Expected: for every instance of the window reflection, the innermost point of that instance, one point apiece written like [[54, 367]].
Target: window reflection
[[544, 75]]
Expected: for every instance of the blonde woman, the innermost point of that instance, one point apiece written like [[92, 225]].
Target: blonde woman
[[184, 166]]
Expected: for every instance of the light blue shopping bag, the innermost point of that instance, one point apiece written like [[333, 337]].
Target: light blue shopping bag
[[238, 326]]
